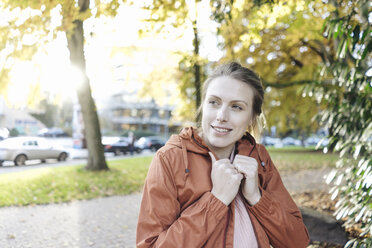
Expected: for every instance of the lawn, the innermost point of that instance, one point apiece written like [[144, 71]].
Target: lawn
[[298, 158], [64, 184]]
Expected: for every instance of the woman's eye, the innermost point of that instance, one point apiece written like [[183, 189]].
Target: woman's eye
[[213, 102], [237, 107]]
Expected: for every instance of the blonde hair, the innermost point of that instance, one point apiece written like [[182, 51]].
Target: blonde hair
[[245, 75], [257, 127]]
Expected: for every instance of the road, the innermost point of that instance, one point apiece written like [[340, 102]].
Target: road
[[76, 157]]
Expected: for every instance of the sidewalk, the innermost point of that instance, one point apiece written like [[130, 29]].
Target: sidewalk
[[103, 223]]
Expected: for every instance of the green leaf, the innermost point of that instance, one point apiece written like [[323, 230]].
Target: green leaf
[[357, 150], [367, 50], [356, 33]]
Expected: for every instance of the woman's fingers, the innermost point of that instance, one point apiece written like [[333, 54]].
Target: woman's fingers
[[225, 180], [246, 165], [249, 167]]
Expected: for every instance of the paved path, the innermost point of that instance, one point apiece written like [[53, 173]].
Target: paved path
[[306, 181], [104, 222]]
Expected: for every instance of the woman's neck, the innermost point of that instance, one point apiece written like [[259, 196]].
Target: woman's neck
[[224, 152], [221, 152]]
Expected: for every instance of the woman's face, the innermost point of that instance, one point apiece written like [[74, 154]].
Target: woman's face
[[227, 112]]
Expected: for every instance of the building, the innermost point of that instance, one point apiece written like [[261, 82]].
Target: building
[[19, 120], [125, 111]]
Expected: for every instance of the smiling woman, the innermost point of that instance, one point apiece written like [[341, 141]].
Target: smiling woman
[[216, 186], [226, 101]]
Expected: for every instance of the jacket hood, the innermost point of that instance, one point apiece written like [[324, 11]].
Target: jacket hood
[[189, 139]]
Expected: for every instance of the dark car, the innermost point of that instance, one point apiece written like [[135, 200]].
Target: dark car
[[52, 132], [118, 145], [152, 143]]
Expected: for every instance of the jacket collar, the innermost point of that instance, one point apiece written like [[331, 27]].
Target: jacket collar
[[246, 145], [194, 143]]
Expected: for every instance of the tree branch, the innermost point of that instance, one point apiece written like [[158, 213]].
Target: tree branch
[[290, 84], [321, 51]]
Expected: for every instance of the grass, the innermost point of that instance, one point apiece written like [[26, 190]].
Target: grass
[[64, 184], [298, 158]]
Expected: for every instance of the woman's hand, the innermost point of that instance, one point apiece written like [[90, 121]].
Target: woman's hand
[[225, 180], [249, 168]]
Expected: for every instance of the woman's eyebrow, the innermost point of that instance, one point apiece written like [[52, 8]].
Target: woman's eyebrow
[[240, 101], [234, 101]]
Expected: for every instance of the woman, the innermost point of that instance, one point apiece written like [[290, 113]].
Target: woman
[[216, 187]]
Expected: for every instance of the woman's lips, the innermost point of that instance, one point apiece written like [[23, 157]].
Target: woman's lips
[[221, 130]]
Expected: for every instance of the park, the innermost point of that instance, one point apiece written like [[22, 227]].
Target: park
[[110, 68]]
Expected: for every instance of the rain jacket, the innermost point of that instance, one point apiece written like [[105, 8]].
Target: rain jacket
[[179, 210]]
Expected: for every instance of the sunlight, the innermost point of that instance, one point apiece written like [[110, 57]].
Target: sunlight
[[114, 61], [61, 80], [23, 76], [57, 75], [50, 71]]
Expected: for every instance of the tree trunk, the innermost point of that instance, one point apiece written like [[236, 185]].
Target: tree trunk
[[197, 83], [75, 39]]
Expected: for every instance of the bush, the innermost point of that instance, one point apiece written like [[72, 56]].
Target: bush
[[349, 117], [13, 132]]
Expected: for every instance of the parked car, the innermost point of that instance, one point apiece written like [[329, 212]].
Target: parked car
[[115, 145], [316, 141], [152, 143], [118, 145], [4, 133], [21, 149], [270, 141], [136, 148], [52, 132], [289, 141]]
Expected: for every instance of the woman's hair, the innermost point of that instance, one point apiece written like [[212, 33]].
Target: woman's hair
[[245, 75]]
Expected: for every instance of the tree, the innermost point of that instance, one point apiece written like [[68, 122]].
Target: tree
[[280, 42], [348, 115], [38, 24], [184, 15], [75, 38], [343, 86], [48, 115]]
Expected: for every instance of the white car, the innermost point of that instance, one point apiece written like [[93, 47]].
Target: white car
[[20, 149]]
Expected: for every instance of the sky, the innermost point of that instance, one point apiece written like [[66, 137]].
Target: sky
[[109, 73]]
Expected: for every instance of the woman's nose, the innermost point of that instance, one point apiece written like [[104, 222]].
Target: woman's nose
[[222, 114]]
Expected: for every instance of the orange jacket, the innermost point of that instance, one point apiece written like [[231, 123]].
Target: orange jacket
[[178, 209]]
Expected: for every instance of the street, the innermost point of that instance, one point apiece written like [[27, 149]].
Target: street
[[76, 157]]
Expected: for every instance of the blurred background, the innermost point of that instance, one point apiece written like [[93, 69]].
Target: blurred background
[[146, 63], [94, 79]]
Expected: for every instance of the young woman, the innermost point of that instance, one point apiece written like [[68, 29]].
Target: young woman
[[215, 186]]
